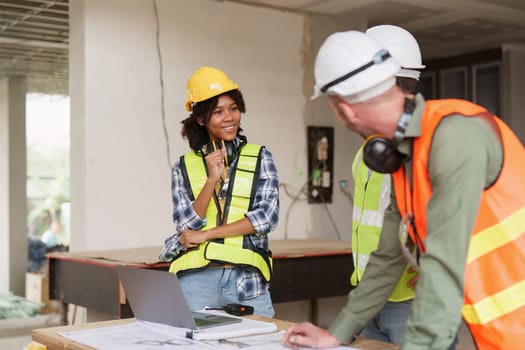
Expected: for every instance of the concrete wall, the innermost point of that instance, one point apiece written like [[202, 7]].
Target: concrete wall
[[513, 85], [13, 200], [120, 175]]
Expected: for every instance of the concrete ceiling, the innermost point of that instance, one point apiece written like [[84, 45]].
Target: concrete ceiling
[[443, 28], [34, 43], [34, 34]]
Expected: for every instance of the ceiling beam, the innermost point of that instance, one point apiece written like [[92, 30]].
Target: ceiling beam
[[34, 43], [27, 7], [336, 7]]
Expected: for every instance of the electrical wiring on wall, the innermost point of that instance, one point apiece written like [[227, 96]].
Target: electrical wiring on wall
[[297, 197]]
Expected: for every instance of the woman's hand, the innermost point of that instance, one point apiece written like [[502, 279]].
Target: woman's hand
[[413, 281], [306, 334], [215, 164], [191, 239]]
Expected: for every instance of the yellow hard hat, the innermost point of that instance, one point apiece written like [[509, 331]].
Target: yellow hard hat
[[206, 83]]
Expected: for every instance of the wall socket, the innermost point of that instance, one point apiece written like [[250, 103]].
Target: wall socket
[[320, 164]]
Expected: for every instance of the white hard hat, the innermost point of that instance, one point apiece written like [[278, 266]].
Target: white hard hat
[[354, 66], [402, 46]]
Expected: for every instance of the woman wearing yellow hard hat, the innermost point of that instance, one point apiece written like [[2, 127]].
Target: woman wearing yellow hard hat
[[226, 200]]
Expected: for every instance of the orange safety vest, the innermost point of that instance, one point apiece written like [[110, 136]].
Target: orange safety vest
[[494, 288]]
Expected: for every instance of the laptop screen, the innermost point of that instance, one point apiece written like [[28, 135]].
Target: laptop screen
[[156, 296]]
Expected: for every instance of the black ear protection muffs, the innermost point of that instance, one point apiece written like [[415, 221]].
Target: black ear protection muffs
[[232, 147], [380, 154]]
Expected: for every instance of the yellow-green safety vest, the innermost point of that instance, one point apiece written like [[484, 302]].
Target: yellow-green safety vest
[[371, 197], [237, 250]]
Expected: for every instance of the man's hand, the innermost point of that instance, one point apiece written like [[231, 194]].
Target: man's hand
[[191, 239], [306, 334]]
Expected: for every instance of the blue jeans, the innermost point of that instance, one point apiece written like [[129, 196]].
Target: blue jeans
[[389, 324], [216, 287]]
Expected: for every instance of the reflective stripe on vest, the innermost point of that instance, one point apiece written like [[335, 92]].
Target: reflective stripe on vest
[[494, 302], [371, 197], [235, 250]]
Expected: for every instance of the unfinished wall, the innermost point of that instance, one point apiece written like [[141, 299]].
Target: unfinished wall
[[120, 174], [120, 169], [513, 85]]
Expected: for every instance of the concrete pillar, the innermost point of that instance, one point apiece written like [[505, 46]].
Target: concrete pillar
[[512, 85], [77, 124], [13, 199]]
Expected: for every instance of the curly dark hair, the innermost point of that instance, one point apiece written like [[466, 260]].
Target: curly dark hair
[[196, 134]]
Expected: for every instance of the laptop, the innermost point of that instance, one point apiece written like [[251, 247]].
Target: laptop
[[156, 296]]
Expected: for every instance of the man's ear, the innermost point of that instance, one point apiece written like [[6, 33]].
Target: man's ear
[[200, 121], [344, 111]]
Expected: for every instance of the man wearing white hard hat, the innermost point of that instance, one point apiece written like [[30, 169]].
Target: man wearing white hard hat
[[458, 192], [372, 197]]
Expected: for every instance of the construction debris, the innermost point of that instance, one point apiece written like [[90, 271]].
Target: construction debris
[[13, 306]]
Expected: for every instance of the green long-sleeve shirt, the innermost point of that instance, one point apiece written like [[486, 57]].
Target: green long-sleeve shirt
[[465, 157]]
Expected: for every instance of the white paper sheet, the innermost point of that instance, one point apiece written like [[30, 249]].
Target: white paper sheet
[[271, 341], [141, 335], [138, 335]]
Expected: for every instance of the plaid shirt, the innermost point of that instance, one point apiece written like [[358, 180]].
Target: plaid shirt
[[264, 215]]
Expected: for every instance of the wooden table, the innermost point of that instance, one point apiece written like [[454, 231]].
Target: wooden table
[[303, 270], [50, 337]]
